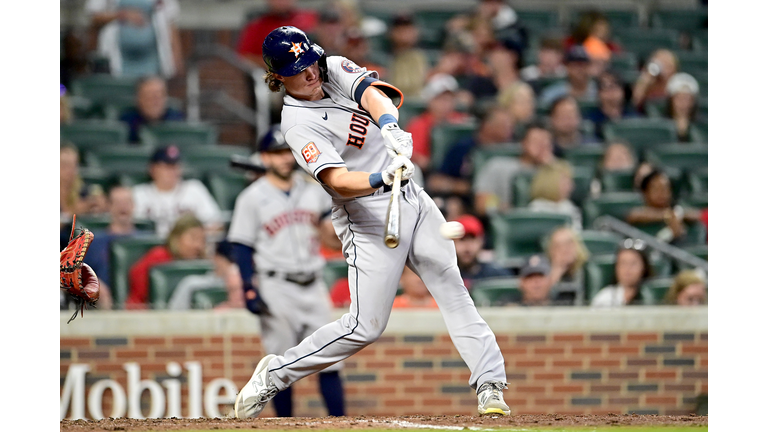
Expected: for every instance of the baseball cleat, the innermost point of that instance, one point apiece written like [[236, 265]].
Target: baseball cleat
[[490, 400], [257, 392]]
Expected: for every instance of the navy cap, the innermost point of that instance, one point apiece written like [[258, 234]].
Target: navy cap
[[577, 53], [168, 154], [536, 264]]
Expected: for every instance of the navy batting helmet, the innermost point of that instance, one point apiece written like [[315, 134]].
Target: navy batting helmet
[[287, 51], [273, 140]]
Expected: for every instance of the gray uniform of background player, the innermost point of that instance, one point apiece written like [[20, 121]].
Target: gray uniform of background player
[[332, 125], [283, 230]]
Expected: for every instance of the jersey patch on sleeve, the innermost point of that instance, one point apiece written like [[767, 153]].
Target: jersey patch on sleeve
[[350, 66], [310, 152]]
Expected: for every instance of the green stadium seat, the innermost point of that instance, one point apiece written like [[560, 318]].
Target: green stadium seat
[[598, 273], [119, 158], [481, 156], [616, 204], [101, 88], [617, 181], [601, 242], [212, 158], [163, 278], [692, 61], [86, 134], [444, 137], [335, 270], [697, 181], [519, 232], [644, 42], [84, 108], [700, 132], [582, 183], [496, 291], [682, 19], [209, 298], [411, 108], [696, 232], [622, 18], [101, 222], [123, 253], [179, 133], [521, 188], [97, 176], [658, 288], [685, 157], [642, 133], [700, 41], [225, 186], [538, 19], [656, 108], [624, 61], [585, 156]]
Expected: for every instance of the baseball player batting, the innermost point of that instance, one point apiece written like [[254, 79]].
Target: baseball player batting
[[275, 222], [341, 124]]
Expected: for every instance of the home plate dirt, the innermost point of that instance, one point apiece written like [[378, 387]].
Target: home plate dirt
[[376, 422]]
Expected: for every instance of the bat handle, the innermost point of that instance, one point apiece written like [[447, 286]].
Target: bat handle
[[392, 231]]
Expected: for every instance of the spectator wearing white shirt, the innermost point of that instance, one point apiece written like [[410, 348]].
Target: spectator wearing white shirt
[[168, 196]]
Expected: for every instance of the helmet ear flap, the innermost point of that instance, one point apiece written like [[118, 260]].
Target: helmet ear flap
[[323, 65]]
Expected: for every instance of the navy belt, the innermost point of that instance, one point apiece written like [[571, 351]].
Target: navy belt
[[303, 279], [388, 188]]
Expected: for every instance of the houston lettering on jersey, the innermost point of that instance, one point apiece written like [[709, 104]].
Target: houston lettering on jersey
[[358, 125], [296, 216]]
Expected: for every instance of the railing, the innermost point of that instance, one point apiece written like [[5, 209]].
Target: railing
[[610, 223], [260, 118]]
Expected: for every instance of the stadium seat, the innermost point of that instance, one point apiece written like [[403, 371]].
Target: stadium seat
[[692, 61], [209, 298], [585, 156], [97, 223], [656, 108], [101, 88], [601, 242], [124, 253], [598, 273], [519, 232], [86, 134], [681, 19], [617, 181], [119, 159], [480, 156], [179, 133], [622, 18], [444, 137], [644, 42], [225, 186], [84, 108], [495, 291], [685, 157], [697, 181], [616, 204], [696, 233], [163, 278], [410, 109], [97, 176], [700, 41], [538, 19], [642, 133], [582, 183], [335, 270], [701, 130], [521, 188], [658, 288], [624, 61], [216, 158]]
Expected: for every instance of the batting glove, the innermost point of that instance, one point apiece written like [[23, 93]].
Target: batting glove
[[388, 175], [253, 301], [397, 141]]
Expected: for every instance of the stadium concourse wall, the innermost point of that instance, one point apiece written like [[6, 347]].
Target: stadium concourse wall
[[558, 360]]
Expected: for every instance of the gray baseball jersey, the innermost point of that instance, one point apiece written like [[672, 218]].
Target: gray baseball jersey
[[283, 229], [333, 132]]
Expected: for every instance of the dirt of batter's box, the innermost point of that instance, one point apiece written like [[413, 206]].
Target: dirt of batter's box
[[375, 422]]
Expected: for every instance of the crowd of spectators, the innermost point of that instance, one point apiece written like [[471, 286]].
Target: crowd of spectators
[[533, 97]]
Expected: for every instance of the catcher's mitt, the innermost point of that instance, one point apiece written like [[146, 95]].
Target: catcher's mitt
[[77, 278]]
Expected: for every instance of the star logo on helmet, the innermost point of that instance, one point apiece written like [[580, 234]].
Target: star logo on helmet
[[297, 49]]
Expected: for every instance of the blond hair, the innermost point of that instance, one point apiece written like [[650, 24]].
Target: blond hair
[[546, 182], [507, 97], [183, 224], [582, 254], [73, 194], [682, 281], [274, 84]]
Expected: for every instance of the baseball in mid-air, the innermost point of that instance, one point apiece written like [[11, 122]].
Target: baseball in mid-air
[[452, 230]]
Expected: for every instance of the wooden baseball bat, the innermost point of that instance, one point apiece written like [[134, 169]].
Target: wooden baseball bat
[[392, 229]]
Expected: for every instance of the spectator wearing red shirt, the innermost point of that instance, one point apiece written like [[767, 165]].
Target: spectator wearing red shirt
[[186, 241], [279, 13], [440, 95]]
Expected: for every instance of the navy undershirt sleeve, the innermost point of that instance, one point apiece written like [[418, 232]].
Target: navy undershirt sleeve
[[243, 257], [364, 84]]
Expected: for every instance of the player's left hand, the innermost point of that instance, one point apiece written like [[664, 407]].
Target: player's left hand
[[254, 302], [388, 175], [397, 141]]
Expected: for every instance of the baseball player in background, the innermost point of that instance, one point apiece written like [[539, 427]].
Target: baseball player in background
[[341, 124], [276, 222]]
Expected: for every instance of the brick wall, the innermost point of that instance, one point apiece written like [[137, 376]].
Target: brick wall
[[578, 372]]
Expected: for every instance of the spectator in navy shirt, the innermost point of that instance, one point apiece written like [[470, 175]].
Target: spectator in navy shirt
[[613, 96], [151, 107], [467, 250]]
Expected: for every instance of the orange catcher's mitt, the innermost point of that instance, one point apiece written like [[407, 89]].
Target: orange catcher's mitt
[[77, 278]]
